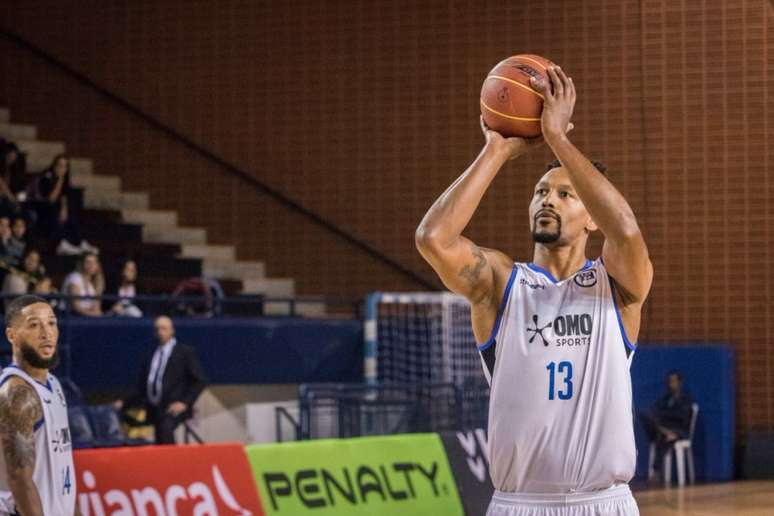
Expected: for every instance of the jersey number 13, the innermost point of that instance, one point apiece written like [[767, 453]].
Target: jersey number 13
[[564, 371]]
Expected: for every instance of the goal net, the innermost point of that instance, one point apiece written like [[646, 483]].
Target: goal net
[[420, 338]]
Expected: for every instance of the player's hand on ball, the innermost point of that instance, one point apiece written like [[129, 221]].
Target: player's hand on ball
[[514, 147], [558, 103]]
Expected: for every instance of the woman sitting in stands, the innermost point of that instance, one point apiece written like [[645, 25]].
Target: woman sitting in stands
[[13, 167], [127, 291], [51, 198], [23, 281], [86, 280]]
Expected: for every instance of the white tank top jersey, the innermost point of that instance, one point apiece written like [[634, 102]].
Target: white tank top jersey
[[560, 408], [54, 473]]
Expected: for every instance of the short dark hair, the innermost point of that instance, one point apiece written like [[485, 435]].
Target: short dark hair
[[597, 164], [16, 306]]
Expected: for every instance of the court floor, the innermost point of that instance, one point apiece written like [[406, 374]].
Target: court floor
[[747, 498]]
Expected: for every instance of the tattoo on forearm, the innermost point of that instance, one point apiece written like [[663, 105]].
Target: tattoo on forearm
[[19, 410], [471, 273]]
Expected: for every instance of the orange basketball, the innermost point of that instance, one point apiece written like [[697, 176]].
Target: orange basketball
[[509, 103]]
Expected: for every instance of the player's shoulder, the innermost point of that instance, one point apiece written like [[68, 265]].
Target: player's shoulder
[[18, 399]]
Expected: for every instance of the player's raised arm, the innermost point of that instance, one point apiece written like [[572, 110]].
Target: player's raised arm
[[464, 267], [19, 411], [625, 253]]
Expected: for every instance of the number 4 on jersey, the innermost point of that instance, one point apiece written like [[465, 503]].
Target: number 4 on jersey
[[66, 484], [564, 368]]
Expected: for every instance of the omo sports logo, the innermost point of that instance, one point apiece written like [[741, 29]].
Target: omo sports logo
[[567, 330]]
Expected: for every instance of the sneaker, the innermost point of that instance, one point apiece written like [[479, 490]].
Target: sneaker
[[65, 248], [86, 247]]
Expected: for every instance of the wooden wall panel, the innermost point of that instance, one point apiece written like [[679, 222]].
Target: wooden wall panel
[[365, 111]]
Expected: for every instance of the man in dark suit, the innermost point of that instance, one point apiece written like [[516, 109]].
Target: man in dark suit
[[170, 382]]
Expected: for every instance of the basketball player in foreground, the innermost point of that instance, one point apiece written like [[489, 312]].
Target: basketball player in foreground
[[556, 335], [37, 477]]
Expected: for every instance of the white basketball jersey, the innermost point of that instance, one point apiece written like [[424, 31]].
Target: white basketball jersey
[[54, 474], [560, 409]]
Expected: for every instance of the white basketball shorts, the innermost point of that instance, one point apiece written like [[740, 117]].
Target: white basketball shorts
[[615, 501]]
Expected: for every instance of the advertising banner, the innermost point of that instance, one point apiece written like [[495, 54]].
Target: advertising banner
[[406, 475], [211, 480], [467, 453]]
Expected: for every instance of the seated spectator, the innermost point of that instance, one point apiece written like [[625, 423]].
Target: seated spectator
[[45, 288], [23, 281], [16, 246], [50, 195], [127, 291], [670, 418], [7, 260], [86, 280], [13, 172]]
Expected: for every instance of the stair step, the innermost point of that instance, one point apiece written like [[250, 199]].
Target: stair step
[[174, 235], [310, 309], [151, 217], [226, 252], [228, 268], [95, 231], [139, 249], [97, 182], [78, 166], [269, 287], [102, 215], [81, 166], [40, 153], [5, 115], [115, 200], [15, 132]]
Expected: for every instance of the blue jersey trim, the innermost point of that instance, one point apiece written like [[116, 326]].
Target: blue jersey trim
[[6, 379], [618, 315], [547, 274], [47, 385], [500, 310], [38, 424]]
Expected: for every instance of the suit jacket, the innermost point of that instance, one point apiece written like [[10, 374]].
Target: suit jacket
[[183, 380]]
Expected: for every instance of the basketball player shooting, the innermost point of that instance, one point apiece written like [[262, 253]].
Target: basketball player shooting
[[37, 477], [557, 334]]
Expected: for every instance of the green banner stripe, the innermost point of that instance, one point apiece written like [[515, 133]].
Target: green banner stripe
[[385, 475]]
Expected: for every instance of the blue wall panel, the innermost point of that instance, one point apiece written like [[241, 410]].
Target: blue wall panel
[[108, 353]]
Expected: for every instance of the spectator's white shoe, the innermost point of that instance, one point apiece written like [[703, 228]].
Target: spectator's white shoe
[[65, 248], [86, 247]]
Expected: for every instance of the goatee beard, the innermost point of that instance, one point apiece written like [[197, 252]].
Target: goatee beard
[[32, 358]]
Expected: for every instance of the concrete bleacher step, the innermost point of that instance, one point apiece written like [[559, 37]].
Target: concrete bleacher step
[[151, 217], [5, 115], [270, 287], [78, 166], [229, 268], [15, 132], [96, 182], [40, 153], [115, 200], [224, 252], [81, 166], [174, 235], [307, 309]]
